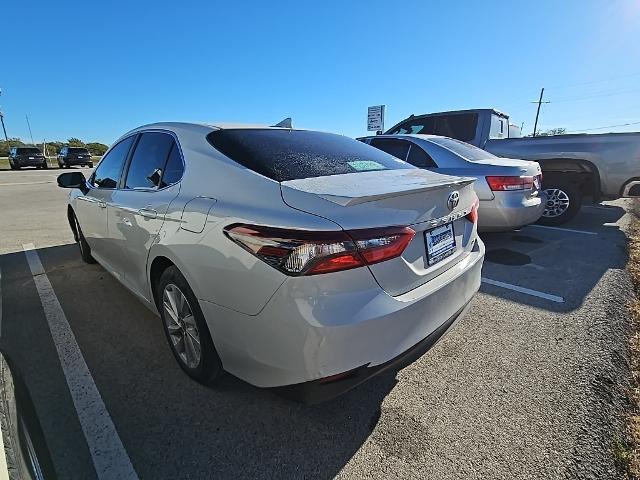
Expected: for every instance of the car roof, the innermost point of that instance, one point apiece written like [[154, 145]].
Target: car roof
[[421, 136], [213, 125]]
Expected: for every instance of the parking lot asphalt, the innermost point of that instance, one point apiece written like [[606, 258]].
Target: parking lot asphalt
[[530, 384]]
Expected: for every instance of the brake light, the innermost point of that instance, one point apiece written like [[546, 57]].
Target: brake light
[[510, 183], [304, 252], [472, 216]]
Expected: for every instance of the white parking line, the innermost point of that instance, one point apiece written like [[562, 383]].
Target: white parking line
[[526, 291], [110, 458], [23, 183], [0, 303], [562, 229]]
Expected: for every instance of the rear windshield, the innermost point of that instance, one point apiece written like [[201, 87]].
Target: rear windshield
[[27, 150], [461, 126], [463, 149], [293, 154], [77, 150]]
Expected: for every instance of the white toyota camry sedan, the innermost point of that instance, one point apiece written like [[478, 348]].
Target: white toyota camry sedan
[[293, 259]]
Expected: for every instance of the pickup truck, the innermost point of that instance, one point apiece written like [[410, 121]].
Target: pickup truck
[[600, 166]]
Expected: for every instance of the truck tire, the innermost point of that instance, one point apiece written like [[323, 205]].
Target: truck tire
[[563, 202]]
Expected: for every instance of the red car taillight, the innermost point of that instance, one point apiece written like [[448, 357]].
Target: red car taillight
[[472, 216], [304, 252], [510, 183]]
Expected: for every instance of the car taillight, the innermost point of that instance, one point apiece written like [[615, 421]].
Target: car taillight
[[472, 216], [510, 183], [304, 252]]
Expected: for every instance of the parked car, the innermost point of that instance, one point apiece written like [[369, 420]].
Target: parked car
[[601, 166], [69, 156], [508, 189], [293, 259], [26, 452], [26, 157]]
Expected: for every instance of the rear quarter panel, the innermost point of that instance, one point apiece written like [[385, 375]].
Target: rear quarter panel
[[615, 155]]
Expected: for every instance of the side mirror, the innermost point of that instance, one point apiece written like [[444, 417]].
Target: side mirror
[[72, 180]]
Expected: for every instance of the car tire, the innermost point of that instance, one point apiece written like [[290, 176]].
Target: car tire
[[85, 249], [90, 165], [184, 335], [563, 202]]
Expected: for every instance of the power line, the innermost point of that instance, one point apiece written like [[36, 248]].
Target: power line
[[597, 95], [593, 82], [608, 126]]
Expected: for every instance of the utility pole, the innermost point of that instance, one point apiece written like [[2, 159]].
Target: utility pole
[[30, 134], [6, 139], [539, 102]]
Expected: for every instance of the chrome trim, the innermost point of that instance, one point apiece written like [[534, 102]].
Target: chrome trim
[[452, 217]]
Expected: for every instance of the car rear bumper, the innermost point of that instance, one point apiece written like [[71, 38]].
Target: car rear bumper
[[76, 161], [320, 326], [25, 162], [509, 210]]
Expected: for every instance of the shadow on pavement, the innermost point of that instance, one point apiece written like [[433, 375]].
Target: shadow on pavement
[[556, 261], [171, 426]]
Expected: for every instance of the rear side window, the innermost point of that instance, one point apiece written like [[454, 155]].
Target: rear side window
[[461, 126], [293, 154], [173, 171], [107, 175], [419, 158], [397, 148], [148, 160]]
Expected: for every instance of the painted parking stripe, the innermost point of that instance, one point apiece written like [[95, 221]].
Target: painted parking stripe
[[0, 303], [560, 229], [110, 458], [526, 291], [4, 471]]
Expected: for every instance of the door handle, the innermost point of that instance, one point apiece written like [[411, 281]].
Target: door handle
[[148, 213], [102, 204], [126, 221]]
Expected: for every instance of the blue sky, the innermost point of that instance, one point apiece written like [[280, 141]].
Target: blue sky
[[96, 69]]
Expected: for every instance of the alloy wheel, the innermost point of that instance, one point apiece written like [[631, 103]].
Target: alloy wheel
[[557, 202], [181, 326]]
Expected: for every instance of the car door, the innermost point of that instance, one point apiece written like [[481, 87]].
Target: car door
[[138, 208], [91, 207]]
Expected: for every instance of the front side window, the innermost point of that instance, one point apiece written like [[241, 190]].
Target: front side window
[[397, 148], [107, 175], [148, 160], [283, 154]]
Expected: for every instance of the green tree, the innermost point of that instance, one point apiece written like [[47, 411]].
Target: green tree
[[75, 142], [550, 132], [5, 145], [97, 148]]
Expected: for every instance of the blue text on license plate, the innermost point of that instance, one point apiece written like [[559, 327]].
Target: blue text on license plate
[[441, 242]]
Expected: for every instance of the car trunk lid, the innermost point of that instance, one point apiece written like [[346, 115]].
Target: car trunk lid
[[409, 197]]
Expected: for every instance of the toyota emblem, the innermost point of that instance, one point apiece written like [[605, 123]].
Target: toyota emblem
[[452, 201]]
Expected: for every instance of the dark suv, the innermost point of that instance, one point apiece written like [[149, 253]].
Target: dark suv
[[26, 157], [74, 156]]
